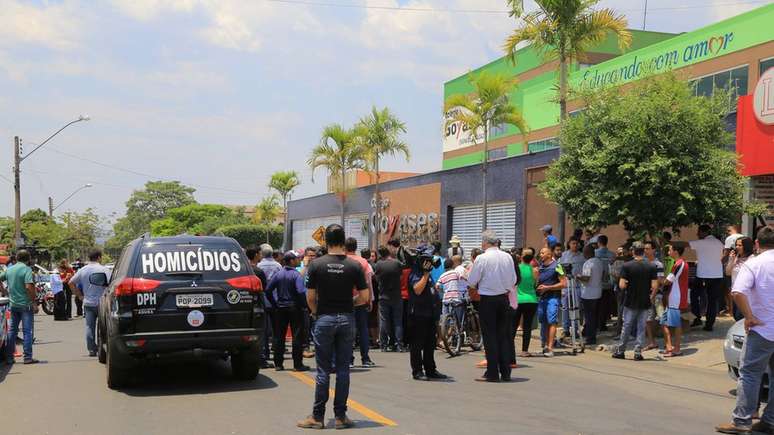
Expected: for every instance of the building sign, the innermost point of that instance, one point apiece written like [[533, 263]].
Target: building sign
[[763, 191], [754, 140], [457, 135], [411, 229], [763, 98], [743, 31]]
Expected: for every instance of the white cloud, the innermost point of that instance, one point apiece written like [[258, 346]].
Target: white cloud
[[146, 10], [55, 26]]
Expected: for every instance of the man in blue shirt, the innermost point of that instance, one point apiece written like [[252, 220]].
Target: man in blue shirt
[[91, 295], [269, 266], [422, 318], [549, 240], [551, 281], [21, 291], [287, 296]]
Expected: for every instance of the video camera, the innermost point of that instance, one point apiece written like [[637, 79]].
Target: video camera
[[567, 268], [425, 258]]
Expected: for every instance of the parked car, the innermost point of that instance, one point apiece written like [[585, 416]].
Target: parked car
[[5, 306], [171, 297], [732, 351]]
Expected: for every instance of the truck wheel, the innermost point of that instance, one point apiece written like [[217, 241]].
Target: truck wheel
[[244, 365], [118, 373]]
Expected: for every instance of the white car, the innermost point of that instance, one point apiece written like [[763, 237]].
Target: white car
[[732, 351]]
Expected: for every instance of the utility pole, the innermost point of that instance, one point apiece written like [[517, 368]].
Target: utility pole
[[17, 192], [50, 207], [645, 15]]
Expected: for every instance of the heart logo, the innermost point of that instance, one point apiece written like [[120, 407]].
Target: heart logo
[[715, 44]]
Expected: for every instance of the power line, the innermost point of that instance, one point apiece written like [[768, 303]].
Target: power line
[[142, 174], [485, 11]]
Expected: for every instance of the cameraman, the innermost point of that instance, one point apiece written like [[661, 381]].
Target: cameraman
[[423, 307]]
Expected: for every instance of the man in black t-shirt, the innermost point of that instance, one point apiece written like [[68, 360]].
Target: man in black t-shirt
[[639, 281], [331, 281], [388, 272]]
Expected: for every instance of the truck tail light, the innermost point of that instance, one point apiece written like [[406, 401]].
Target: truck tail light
[[250, 283], [132, 286]]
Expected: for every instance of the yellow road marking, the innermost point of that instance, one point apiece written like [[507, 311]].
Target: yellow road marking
[[359, 407]]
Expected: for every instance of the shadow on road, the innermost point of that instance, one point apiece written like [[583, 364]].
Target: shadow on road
[[197, 377]]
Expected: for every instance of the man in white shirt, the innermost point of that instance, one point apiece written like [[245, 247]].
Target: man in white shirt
[[494, 275], [753, 293], [709, 276]]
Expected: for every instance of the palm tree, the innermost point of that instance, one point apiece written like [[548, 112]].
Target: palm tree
[[284, 182], [266, 213], [565, 30], [489, 105], [378, 135], [338, 152]]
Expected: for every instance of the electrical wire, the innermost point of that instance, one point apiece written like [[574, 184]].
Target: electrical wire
[[487, 11]]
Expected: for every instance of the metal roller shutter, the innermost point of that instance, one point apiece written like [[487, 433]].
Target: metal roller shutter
[[501, 218], [354, 227]]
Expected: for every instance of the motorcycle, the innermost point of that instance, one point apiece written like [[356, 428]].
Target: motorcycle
[[45, 298]]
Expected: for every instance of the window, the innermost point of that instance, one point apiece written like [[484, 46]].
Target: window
[[766, 64], [543, 145], [498, 153], [735, 80], [497, 130]]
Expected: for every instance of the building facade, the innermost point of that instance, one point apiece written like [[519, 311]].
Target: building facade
[[731, 54]]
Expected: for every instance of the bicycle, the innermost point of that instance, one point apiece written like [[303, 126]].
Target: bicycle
[[460, 327]]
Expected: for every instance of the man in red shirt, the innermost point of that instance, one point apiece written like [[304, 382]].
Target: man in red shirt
[[675, 300], [361, 311]]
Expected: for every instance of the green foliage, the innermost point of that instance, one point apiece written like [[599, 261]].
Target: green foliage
[[267, 211], [70, 234], [6, 230], [487, 106], [649, 157], [378, 134], [284, 182], [201, 219], [249, 235], [146, 205]]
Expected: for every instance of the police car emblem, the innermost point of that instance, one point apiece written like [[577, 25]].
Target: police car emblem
[[195, 318], [233, 297]]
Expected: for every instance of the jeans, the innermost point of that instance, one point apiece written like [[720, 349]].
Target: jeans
[[25, 316], [68, 302], [390, 322], [295, 318], [633, 318], [525, 314], [333, 335], [361, 328], [757, 355], [493, 314], [706, 290], [590, 319], [423, 340], [78, 306], [268, 318], [90, 314]]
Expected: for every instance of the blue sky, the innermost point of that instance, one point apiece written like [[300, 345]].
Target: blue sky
[[221, 93]]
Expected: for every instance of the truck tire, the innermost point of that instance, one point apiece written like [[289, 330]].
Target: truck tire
[[118, 371], [244, 365]]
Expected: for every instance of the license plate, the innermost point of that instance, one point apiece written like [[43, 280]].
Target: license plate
[[194, 301]]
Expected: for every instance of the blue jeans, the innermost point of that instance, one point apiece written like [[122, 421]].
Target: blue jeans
[[757, 355], [26, 317], [361, 328], [90, 314], [633, 318], [333, 335], [390, 322]]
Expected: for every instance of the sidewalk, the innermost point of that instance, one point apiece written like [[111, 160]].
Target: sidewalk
[[700, 348]]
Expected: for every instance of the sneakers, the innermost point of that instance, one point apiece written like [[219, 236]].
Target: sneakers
[[619, 355], [343, 422], [436, 375], [93, 353], [31, 361], [310, 423], [733, 428], [638, 357], [401, 349], [278, 368], [418, 376], [548, 353], [763, 427], [301, 369], [368, 363]]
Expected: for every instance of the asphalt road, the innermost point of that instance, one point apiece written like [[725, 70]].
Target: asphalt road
[[584, 394]]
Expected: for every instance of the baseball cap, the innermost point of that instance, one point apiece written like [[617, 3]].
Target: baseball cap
[[290, 255], [547, 228]]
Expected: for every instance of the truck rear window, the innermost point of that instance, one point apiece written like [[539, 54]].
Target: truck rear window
[[212, 262]]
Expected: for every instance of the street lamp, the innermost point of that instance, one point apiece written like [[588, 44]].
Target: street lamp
[[51, 207], [17, 159]]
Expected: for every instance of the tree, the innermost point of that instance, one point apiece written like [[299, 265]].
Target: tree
[[201, 219], [489, 105], [649, 157], [565, 30], [284, 182], [266, 212], [339, 153], [145, 206], [249, 235], [379, 135], [80, 232]]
